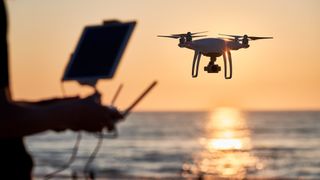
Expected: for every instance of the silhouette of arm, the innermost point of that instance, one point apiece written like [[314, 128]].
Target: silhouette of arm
[[21, 119]]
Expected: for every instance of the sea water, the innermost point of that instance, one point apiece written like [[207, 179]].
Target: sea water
[[225, 143]]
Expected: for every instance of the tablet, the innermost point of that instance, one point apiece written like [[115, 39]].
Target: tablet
[[98, 51]]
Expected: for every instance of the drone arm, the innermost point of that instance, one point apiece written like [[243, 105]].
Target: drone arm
[[225, 65], [195, 64]]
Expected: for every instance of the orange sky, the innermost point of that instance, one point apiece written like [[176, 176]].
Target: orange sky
[[283, 73]]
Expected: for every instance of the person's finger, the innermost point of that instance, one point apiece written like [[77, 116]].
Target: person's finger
[[114, 113], [111, 127], [72, 98], [94, 127], [94, 97]]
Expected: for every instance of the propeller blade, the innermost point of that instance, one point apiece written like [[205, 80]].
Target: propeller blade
[[235, 36], [252, 38], [199, 36], [199, 32], [185, 34], [174, 37], [257, 38], [179, 34]]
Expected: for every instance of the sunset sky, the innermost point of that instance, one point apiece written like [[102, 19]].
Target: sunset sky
[[278, 74]]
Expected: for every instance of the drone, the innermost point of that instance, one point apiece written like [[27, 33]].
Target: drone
[[213, 48]]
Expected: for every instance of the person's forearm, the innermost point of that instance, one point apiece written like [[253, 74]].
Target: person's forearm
[[25, 118], [46, 102], [20, 121], [74, 114]]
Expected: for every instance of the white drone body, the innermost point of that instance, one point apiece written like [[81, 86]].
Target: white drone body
[[213, 48]]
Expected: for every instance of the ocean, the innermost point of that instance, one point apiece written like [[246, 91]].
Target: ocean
[[224, 143]]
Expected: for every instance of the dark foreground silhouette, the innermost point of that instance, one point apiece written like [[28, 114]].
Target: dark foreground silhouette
[[19, 119]]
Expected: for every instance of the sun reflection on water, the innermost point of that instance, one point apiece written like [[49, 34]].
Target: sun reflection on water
[[226, 147]]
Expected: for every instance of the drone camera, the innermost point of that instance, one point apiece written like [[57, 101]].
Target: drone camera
[[212, 68]]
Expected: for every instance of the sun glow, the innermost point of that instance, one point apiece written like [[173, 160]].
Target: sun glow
[[226, 146], [227, 130]]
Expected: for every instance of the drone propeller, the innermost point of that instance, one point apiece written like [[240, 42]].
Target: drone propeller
[[252, 38], [257, 38], [174, 37], [234, 36], [177, 36], [199, 36], [185, 34]]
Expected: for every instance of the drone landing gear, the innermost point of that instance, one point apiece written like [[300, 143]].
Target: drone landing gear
[[212, 67], [225, 64], [195, 64]]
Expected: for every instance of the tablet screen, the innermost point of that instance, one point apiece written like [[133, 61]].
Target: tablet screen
[[99, 51]]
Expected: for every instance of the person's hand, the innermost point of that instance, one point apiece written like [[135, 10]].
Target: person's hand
[[84, 114], [92, 116]]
